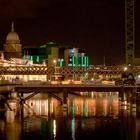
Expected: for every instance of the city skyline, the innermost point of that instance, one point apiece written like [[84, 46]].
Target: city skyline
[[96, 26]]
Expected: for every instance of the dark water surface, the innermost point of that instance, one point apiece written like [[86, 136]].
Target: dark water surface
[[98, 118]]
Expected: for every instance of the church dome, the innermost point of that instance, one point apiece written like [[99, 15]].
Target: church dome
[[12, 37]]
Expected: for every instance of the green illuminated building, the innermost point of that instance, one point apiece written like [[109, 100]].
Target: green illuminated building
[[76, 57], [54, 54], [44, 53]]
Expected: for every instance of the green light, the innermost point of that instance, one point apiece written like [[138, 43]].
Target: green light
[[43, 129], [87, 61], [73, 61], [31, 58], [72, 108], [82, 61], [60, 63], [37, 59]]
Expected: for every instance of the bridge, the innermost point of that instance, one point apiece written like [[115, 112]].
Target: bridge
[[126, 94], [44, 73], [57, 88], [64, 70]]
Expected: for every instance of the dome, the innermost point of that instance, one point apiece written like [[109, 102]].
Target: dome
[[12, 36]]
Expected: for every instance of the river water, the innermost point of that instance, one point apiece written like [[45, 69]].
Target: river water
[[94, 116]]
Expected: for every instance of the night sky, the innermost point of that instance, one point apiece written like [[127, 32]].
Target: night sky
[[96, 25]]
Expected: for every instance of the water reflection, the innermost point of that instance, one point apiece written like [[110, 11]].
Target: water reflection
[[95, 116], [101, 104], [10, 131], [54, 129], [73, 129]]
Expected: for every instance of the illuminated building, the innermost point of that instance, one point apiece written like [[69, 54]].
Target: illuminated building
[[83, 59], [12, 46], [61, 62], [33, 54], [49, 54], [53, 54], [40, 54], [71, 57], [75, 57], [51, 51]]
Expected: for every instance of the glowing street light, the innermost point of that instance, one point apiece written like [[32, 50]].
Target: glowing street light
[[125, 68], [54, 62]]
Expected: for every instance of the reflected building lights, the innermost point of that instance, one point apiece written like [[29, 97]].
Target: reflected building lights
[[39, 107], [106, 103], [81, 93], [85, 108], [46, 107], [77, 106], [92, 95], [73, 129], [51, 106], [54, 129], [105, 107]]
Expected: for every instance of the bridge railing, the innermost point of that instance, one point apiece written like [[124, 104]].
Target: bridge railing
[[63, 70], [51, 70]]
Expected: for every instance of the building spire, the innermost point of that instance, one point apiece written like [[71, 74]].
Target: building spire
[[12, 27]]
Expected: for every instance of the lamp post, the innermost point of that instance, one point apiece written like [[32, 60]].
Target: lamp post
[[125, 68], [54, 62]]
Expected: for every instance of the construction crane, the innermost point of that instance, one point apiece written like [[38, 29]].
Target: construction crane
[[130, 32]]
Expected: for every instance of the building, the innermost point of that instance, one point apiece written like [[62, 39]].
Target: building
[[12, 47], [75, 57], [50, 54], [45, 53]]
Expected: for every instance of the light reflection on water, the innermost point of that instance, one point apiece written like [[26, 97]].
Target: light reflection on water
[[96, 116], [101, 104]]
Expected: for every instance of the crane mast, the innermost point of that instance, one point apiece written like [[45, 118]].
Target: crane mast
[[129, 32]]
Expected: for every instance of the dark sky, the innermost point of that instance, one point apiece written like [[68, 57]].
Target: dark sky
[[96, 25]]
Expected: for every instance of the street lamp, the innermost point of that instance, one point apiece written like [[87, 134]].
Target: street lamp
[[125, 68], [54, 62]]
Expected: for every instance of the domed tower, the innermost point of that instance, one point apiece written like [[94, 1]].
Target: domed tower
[[12, 46]]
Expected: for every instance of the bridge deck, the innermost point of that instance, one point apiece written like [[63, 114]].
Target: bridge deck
[[72, 87]]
